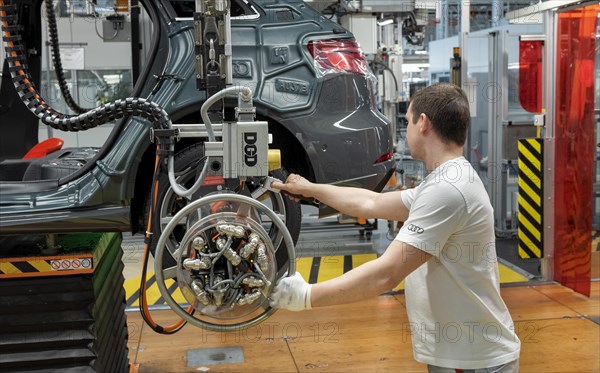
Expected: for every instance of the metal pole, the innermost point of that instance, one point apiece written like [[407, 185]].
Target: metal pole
[[497, 6], [548, 99], [442, 16], [463, 38], [493, 138], [135, 41], [465, 25], [49, 129], [498, 66]]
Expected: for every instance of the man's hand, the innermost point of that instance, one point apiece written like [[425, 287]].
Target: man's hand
[[291, 293], [296, 186]]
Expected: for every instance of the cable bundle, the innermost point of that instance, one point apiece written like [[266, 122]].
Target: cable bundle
[[15, 55]]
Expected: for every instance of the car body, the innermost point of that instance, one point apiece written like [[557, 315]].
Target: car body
[[322, 117]]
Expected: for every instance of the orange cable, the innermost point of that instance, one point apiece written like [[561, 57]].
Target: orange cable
[[143, 289], [14, 54]]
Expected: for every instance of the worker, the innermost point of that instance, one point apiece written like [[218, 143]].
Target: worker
[[445, 249]]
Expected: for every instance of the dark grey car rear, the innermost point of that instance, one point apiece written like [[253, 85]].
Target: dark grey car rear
[[308, 83]]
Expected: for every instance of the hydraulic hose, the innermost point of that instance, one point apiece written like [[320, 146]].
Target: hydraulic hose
[[16, 58], [178, 189], [246, 94]]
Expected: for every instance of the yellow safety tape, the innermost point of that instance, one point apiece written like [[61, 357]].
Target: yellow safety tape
[[526, 172], [531, 150], [41, 265], [535, 214], [535, 161], [522, 253], [534, 249], [534, 196], [7, 268], [536, 144], [530, 227]]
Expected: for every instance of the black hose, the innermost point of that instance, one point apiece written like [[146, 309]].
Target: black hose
[[385, 67], [56, 60], [25, 87]]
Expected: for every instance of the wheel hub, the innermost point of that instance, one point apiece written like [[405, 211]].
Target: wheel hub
[[226, 261]]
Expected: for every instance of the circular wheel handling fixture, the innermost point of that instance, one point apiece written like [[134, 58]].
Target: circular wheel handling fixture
[[226, 261]]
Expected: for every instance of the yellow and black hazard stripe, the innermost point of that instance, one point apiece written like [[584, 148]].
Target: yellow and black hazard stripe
[[530, 198], [46, 266]]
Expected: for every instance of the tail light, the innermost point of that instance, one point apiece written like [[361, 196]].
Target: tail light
[[384, 157], [338, 55]]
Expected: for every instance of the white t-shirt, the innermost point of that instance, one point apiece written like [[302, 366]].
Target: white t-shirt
[[457, 317]]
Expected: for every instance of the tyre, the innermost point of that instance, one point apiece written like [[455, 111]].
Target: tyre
[[188, 162]]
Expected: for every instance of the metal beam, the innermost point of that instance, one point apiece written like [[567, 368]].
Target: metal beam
[[534, 13], [548, 103]]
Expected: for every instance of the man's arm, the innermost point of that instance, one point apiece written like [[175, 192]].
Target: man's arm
[[365, 281], [347, 200], [371, 278]]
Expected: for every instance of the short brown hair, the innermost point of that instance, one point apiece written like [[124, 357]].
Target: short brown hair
[[447, 107]]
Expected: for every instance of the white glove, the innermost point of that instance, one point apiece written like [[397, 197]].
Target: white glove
[[291, 293]]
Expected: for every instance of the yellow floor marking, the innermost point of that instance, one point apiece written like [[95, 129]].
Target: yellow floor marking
[[508, 275], [359, 259], [400, 286], [303, 266], [131, 286], [152, 294], [331, 267], [178, 297]]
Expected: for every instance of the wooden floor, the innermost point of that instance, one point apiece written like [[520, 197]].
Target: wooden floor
[[556, 327]]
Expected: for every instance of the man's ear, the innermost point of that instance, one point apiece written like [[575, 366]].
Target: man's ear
[[425, 124]]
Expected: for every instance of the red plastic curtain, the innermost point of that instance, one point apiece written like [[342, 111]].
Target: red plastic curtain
[[574, 147]]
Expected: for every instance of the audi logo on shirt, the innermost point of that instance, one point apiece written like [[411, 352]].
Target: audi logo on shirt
[[415, 228]]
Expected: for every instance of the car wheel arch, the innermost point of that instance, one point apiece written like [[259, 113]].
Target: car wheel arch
[[294, 159]]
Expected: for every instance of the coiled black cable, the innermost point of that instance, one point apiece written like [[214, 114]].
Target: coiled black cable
[[56, 60], [16, 58]]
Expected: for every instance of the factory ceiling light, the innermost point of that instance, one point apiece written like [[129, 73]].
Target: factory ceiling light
[[385, 21]]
